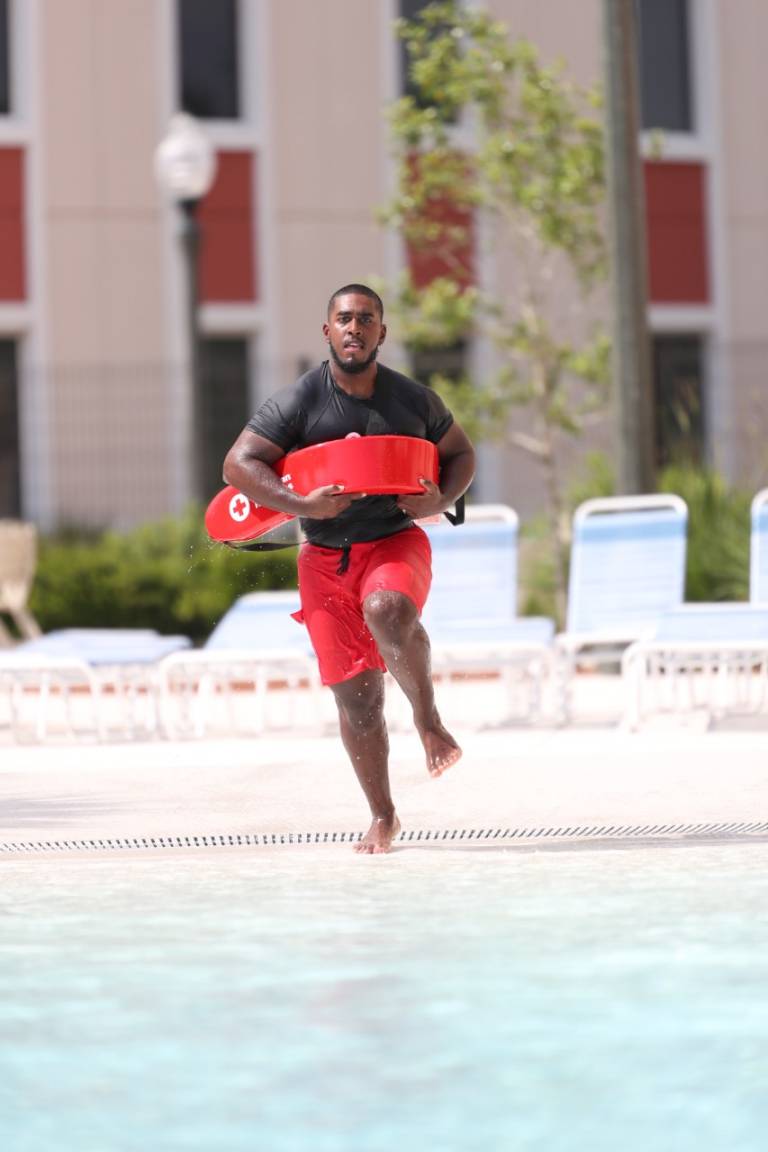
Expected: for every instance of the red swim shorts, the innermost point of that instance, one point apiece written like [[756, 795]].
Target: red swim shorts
[[332, 602]]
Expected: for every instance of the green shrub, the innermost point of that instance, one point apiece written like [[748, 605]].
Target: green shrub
[[166, 575], [537, 567], [718, 534], [537, 571], [171, 577]]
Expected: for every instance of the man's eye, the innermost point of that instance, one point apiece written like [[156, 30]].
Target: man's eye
[[346, 317]]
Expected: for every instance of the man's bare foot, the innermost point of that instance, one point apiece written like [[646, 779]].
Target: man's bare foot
[[441, 749], [380, 835]]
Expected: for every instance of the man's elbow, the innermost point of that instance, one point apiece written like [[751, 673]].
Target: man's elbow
[[469, 458], [229, 468]]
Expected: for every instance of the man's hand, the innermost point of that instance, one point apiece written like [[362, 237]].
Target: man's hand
[[326, 502], [420, 504]]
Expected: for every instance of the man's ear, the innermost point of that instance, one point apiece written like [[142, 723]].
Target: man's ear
[[382, 334]]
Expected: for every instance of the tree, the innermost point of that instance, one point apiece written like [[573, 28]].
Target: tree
[[489, 132]]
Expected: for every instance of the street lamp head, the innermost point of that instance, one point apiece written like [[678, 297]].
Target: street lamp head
[[185, 159]]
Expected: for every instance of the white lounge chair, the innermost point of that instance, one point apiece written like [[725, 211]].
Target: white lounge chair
[[18, 561], [471, 613], [627, 569], [711, 658], [85, 682], [49, 696], [758, 549], [256, 670]]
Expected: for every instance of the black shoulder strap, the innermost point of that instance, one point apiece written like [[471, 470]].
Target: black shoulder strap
[[456, 517]]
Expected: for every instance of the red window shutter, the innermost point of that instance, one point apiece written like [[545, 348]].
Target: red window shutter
[[12, 264], [678, 265], [227, 263], [452, 255]]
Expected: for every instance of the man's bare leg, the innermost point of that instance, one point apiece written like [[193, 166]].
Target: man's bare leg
[[360, 702], [393, 620]]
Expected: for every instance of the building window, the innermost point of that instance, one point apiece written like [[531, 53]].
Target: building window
[[408, 10], [225, 402], [5, 60], [411, 10], [10, 457], [678, 368], [665, 65], [449, 361], [208, 73]]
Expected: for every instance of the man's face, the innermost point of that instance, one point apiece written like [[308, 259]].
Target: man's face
[[354, 331]]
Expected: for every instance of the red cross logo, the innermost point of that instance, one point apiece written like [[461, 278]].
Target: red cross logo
[[239, 507]]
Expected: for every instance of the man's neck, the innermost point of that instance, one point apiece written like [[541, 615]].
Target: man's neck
[[361, 386]]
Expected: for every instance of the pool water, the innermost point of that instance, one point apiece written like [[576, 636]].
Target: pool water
[[569, 998]]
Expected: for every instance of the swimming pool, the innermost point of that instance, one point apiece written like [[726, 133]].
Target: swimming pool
[[565, 998]]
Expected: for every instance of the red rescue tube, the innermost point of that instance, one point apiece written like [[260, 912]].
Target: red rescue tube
[[375, 465]]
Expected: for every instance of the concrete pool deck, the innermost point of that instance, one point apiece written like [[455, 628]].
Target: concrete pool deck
[[557, 782]]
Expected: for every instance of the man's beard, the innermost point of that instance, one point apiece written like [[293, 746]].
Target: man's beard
[[356, 368]]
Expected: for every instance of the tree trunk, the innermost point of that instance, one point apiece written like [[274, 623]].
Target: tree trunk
[[555, 513]]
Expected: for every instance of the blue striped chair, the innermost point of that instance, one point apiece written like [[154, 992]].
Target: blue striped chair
[[627, 569]]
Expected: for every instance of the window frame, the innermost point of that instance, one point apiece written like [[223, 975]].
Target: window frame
[[16, 498], [403, 88], [243, 31], [455, 359], [23, 20], [691, 336], [688, 105], [6, 58], [701, 142], [249, 342]]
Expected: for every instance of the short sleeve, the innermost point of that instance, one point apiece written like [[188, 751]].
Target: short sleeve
[[438, 417], [280, 419]]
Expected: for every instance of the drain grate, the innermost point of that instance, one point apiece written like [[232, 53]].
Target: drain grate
[[686, 831]]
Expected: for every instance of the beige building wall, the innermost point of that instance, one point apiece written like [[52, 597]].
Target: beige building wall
[[326, 162], [325, 72], [106, 340], [571, 35], [331, 170]]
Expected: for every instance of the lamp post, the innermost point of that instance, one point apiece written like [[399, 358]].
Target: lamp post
[[185, 166], [631, 348]]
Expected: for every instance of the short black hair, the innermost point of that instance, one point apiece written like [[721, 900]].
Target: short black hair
[[357, 290]]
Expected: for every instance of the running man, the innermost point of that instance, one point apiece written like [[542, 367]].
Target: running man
[[365, 568]]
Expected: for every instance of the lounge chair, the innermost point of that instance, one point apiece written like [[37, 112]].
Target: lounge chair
[[85, 682], [257, 670], [709, 658], [627, 569], [18, 561], [471, 612], [758, 549]]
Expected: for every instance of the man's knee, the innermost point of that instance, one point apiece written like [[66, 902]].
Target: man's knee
[[361, 699], [389, 614]]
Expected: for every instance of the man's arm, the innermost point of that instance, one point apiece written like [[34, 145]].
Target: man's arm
[[457, 469], [248, 467]]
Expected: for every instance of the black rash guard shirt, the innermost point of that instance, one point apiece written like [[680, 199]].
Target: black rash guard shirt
[[314, 410]]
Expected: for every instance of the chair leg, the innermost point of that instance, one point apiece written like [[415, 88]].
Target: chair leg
[[632, 674], [564, 671], [26, 623]]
